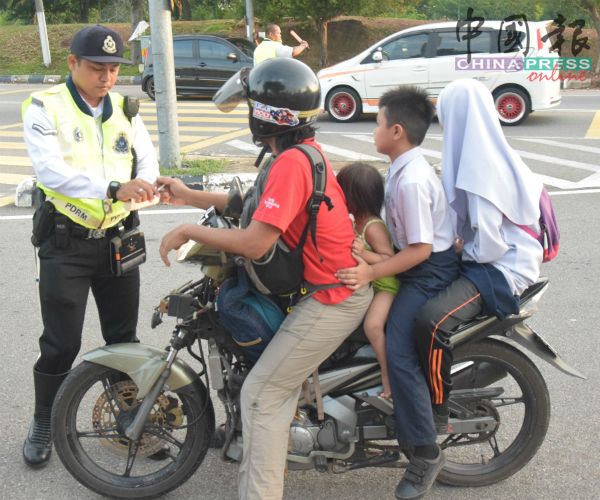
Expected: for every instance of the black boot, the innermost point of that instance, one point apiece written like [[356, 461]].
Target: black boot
[[38, 445]]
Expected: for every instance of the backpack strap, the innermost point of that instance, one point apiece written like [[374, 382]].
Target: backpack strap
[[318, 196]]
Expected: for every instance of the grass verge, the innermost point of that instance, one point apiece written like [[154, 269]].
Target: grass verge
[[197, 167]]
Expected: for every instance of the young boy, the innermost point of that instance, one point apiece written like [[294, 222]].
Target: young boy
[[418, 216]]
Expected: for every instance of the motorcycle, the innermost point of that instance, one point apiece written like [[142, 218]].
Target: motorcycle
[[127, 402]]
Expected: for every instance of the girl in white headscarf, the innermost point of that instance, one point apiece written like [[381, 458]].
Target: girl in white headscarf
[[490, 191]]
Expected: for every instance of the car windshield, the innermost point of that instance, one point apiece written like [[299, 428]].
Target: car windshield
[[244, 45]]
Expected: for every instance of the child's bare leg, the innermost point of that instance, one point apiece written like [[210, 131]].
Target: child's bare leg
[[375, 330]]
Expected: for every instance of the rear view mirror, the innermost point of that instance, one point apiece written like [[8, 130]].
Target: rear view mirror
[[377, 56], [235, 203], [232, 56]]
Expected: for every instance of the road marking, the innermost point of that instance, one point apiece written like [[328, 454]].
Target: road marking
[[7, 200], [246, 146], [567, 110], [203, 119], [581, 191], [197, 111], [576, 147], [13, 178], [22, 90], [187, 128], [15, 161], [368, 138], [11, 133], [346, 153], [183, 138], [594, 130], [4, 127], [551, 159], [12, 145], [214, 140]]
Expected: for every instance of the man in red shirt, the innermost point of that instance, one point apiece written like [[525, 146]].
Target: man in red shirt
[[317, 325]]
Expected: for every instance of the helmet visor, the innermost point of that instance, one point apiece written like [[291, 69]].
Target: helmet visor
[[233, 91]]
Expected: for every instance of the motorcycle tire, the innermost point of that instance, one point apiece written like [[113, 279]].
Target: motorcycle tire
[[466, 462], [110, 465]]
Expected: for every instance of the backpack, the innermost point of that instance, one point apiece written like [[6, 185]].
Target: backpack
[[549, 236], [281, 270]]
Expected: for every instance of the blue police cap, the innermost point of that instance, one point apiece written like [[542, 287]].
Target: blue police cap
[[99, 44]]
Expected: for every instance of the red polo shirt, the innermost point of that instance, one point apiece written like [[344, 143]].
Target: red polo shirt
[[283, 205]]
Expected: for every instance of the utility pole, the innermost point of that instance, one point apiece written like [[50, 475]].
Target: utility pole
[[164, 83], [41, 19], [250, 20]]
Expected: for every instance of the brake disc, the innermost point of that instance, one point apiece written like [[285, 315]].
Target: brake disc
[[166, 411]]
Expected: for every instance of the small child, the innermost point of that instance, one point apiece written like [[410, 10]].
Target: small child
[[363, 188], [418, 216]]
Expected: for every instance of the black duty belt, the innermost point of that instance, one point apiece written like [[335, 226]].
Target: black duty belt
[[84, 233]]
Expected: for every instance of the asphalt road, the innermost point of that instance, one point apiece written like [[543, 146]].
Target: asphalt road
[[565, 467]]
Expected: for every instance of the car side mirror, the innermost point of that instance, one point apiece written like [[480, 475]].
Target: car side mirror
[[377, 56], [233, 56]]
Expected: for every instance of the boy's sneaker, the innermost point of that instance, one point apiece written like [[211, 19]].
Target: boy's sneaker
[[419, 477], [441, 422]]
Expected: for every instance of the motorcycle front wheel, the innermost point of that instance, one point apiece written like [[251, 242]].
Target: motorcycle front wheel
[[521, 412], [91, 411]]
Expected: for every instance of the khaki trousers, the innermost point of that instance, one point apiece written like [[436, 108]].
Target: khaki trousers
[[307, 337]]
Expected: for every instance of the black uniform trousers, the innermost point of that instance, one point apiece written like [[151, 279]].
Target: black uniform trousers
[[66, 277], [457, 304]]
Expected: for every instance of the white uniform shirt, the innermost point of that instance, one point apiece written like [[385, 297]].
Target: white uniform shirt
[[416, 206], [496, 240], [55, 174]]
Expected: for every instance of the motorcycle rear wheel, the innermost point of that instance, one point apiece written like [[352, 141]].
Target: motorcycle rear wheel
[[523, 411], [89, 439]]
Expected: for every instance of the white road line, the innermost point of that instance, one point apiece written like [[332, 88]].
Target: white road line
[[346, 153], [576, 147], [581, 191], [567, 110], [551, 159], [245, 146], [426, 152]]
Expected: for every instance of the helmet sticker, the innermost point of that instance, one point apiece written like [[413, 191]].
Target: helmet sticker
[[281, 116]]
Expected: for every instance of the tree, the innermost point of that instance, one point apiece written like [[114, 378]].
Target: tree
[[591, 7], [321, 12]]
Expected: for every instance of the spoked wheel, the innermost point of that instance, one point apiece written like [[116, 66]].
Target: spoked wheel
[[512, 106], [343, 105], [91, 412], [521, 412]]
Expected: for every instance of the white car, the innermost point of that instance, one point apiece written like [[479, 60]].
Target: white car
[[431, 56]]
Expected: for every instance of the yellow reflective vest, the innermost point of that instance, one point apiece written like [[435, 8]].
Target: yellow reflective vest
[[266, 50], [81, 149]]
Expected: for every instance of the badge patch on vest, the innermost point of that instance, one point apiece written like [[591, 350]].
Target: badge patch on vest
[[110, 47], [78, 135], [121, 145], [281, 116]]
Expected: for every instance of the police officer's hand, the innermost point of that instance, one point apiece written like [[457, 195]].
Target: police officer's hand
[[174, 192], [137, 190]]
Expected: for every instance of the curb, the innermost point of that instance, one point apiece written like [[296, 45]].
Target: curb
[[54, 79]]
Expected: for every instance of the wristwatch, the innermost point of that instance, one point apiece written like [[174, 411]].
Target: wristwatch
[[113, 187]]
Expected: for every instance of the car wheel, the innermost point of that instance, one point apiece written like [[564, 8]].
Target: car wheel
[[512, 105], [150, 89], [344, 105]]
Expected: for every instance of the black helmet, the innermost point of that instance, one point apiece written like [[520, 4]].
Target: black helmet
[[283, 95]]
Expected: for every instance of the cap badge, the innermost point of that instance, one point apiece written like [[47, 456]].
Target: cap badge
[[110, 47]]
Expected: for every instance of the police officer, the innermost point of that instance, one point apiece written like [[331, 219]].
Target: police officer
[[271, 46], [82, 141]]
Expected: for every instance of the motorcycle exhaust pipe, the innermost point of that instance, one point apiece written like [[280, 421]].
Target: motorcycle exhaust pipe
[[477, 376]]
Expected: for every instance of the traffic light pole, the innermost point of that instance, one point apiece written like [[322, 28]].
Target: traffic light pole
[[249, 20], [41, 19], [164, 83]]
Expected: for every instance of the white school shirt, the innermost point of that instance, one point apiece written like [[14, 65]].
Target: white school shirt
[[493, 239], [416, 207], [55, 174]]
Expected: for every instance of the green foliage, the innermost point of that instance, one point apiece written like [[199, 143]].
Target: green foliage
[[197, 167], [203, 10]]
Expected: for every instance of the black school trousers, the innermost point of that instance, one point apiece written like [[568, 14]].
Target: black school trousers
[[66, 278]]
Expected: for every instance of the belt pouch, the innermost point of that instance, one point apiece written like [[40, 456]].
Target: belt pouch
[[61, 231], [43, 223], [127, 251]]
